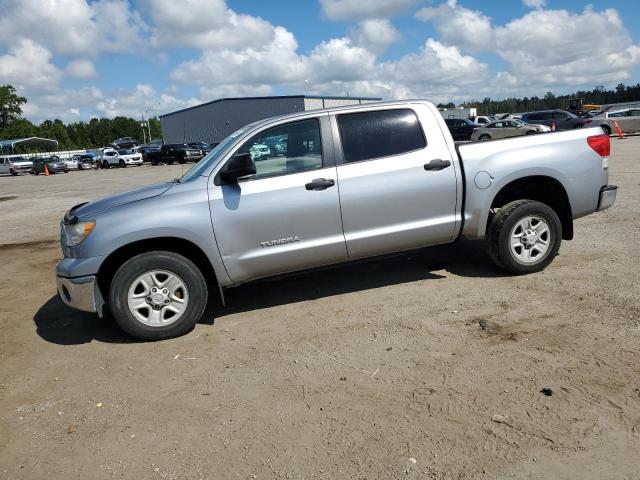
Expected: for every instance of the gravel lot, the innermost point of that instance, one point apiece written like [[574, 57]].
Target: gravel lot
[[426, 365]]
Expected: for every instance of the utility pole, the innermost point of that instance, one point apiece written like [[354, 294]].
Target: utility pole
[[144, 135]]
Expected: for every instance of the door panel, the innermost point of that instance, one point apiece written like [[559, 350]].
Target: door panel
[[391, 204], [276, 225], [280, 220]]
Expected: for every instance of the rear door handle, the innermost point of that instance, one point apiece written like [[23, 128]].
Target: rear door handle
[[320, 184], [437, 164]]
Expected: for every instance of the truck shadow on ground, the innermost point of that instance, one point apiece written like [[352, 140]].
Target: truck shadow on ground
[[57, 323], [464, 258]]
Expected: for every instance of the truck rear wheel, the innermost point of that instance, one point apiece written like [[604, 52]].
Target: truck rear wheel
[[157, 295], [524, 236]]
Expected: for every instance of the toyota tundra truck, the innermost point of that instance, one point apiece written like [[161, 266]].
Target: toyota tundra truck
[[353, 183]]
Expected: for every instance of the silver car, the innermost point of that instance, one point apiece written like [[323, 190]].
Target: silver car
[[502, 129], [627, 119], [15, 165]]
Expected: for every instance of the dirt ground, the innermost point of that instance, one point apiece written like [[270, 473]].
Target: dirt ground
[[427, 365]]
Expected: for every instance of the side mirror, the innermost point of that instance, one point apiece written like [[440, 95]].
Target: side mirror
[[238, 166]]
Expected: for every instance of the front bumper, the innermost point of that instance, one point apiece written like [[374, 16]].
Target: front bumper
[[607, 197], [81, 293]]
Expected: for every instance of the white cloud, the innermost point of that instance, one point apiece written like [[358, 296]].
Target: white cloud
[[364, 9], [142, 100], [339, 60], [550, 47], [206, 24], [27, 67], [375, 35], [73, 27], [272, 63], [534, 3], [458, 25], [83, 69]]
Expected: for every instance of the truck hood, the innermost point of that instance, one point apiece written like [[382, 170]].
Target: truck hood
[[92, 208]]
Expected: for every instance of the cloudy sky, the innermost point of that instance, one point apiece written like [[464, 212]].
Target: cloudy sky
[[75, 59]]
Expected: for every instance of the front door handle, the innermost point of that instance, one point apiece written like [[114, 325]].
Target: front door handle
[[320, 184], [437, 165]]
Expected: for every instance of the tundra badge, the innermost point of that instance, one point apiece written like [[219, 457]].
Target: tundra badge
[[280, 241]]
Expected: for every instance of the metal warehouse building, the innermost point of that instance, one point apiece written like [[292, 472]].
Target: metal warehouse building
[[213, 121]]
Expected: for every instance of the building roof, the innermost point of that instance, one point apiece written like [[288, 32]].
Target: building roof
[[12, 143], [320, 97]]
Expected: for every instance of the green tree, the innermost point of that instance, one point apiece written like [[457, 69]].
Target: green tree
[[10, 104]]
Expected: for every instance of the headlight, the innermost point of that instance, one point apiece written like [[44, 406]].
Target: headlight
[[77, 232]]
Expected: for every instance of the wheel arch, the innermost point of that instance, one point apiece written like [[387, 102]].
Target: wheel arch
[[178, 245], [541, 188]]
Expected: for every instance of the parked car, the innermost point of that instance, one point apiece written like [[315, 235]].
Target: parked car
[[281, 146], [202, 146], [110, 158], [130, 157], [260, 151], [53, 164], [369, 187], [562, 119], [174, 152], [72, 162], [502, 129], [144, 151], [124, 142], [628, 119], [15, 165], [539, 127], [460, 128], [481, 120], [85, 161]]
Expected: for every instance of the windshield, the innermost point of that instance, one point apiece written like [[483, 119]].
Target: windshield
[[211, 157]]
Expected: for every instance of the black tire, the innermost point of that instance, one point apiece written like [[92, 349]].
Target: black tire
[[157, 260], [35, 172], [122, 164], [606, 129], [106, 164], [531, 132], [500, 229], [12, 172], [154, 162], [484, 137], [169, 162], [182, 160]]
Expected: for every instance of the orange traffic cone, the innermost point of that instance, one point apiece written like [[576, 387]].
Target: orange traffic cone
[[618, 130], [46, 170], [553, 126]]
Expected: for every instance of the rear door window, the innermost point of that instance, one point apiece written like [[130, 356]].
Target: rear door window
[[378, 134]]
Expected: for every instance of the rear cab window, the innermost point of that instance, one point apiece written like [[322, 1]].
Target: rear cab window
[[378, 134]]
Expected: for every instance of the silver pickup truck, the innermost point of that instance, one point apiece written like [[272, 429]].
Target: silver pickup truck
[[344, 184]]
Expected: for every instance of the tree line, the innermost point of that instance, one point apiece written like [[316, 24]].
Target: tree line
[[598, 96], [97, 132]]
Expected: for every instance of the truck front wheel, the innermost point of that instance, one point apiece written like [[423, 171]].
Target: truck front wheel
[[158, 295], [524, 236]]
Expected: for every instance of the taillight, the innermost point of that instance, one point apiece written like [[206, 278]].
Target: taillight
[[587, 121], [600, 144]]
